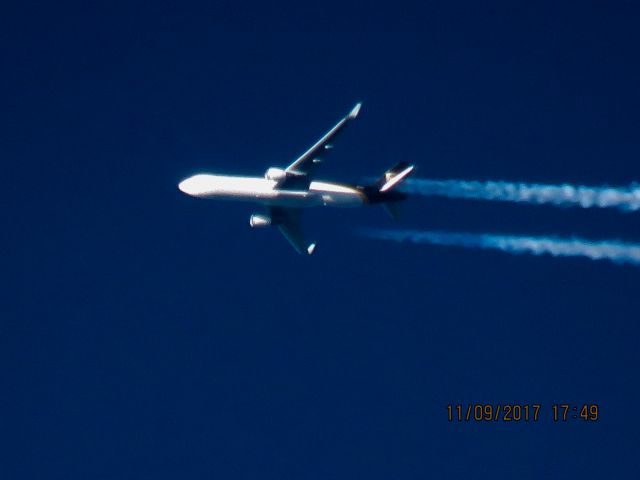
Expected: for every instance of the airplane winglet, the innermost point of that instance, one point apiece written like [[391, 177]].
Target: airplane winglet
[[354, 113]]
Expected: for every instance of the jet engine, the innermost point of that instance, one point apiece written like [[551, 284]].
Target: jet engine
[[259, 221], [275, 174]]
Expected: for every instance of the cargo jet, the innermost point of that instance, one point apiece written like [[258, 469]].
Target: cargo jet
[[285, 192]]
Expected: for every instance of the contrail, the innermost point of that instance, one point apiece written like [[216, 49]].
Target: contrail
[[612, 250], [623, 198]]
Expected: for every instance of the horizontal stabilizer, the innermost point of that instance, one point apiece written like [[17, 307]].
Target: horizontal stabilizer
[[393, 209], [394, 176]]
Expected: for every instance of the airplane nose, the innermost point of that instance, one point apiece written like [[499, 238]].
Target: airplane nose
[[197, 185], [184, 186]]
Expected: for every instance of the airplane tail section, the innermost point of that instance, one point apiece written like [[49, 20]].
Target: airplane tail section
[[384, 191], [393, 209], [394, 176]]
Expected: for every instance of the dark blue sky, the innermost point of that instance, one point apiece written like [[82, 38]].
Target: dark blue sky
[[145, 334]]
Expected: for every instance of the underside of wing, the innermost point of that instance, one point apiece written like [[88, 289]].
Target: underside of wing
[[300, 173], [288, 220]]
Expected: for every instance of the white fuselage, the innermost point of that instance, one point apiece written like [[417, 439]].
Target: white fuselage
[[262, 190]]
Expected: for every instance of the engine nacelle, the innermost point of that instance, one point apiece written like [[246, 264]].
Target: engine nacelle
[[275, 174], [259, 221]]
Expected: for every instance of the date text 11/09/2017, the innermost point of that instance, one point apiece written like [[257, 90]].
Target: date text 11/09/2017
[[534, 412]]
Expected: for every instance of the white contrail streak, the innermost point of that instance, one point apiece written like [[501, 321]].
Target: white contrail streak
[[612, 250], [623, 198]]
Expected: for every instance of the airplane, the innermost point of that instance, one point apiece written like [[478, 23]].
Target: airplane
[[286, 192]]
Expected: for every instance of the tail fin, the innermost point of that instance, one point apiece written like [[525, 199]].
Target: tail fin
[[394, 176]]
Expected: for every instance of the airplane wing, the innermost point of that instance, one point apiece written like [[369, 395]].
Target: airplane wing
[[288, 221], [300, 172]]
